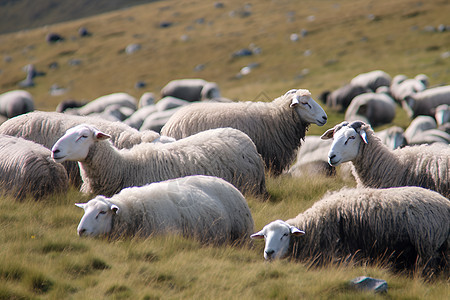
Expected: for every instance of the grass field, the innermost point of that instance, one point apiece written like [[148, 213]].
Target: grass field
[[41, 256]]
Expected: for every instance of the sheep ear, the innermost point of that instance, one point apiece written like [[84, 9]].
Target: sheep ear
[[294, 102], [114, 208], [328, 134], [295, 231], [101, 136], [257, 236], [80, 205]]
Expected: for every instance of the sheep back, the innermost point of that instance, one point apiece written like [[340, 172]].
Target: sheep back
[[400, 224], [204, 207], [27, 169]]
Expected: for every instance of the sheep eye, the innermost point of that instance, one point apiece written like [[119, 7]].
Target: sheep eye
[[349, 138], [100, 213], [286, 234], [306, 103]]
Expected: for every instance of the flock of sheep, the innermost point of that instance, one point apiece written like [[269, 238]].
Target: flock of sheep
[[183, 167]]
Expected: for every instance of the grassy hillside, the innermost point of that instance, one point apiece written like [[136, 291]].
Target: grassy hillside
[[41, 255]]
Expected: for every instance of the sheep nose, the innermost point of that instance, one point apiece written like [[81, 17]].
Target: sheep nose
[[81, 232], [332, 156], [324, 118], [56, 151], [270, 253]]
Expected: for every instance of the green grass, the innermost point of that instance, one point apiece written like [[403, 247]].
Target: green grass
[[41, 255]]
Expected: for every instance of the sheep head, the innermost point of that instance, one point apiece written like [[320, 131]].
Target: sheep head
[[97, 218], [308, 109], [347, 140], [277, 235], [75, 143]]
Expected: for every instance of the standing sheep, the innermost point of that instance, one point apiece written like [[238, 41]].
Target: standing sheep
[[204, 207], [16, 102], [191, 89], [376, 166], [425, 102], [277, 128], [46, 128], [226, 153], [408, 226], [26, 169]]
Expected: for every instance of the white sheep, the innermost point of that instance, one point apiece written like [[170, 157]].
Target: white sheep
[[408, 226], [277, 128], [442, 114], [46, 128], [425, 102], [401, 86], [191, 89], [226, 153], [375, 108], [26, 169], [16, 102], [203, 207], [341, 98], [376, 166], [99, 104], [372, 80]]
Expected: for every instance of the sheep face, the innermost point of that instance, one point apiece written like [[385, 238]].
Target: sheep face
[[308, 109], [277, 235], [97, 218], [347, 140], [75, 143]]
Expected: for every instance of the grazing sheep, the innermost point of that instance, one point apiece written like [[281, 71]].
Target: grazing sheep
[[425, 102], [341, 98], [401, 86], [100, 104], [376, 166], [46, 128], [16, 102], [372, 80], [226, 153], [191, 89], [277, 128], [204, 207], [376, 108], [26, 169], [408, 226]]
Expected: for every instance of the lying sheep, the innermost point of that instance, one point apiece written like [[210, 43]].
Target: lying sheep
[[16, 102], [425, 102], [376, 166], [442, 114], [26, 169], [341, 98], [376, 108], [226, 153], [372, 80], [101, 103], [46, 128], [408, 226], [277, 128], [402, 87], [204, 207], [418, 125], [191, 89]]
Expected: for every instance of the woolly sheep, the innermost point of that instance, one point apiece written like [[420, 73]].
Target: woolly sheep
[[430, 136], [100, 104], [26, 169], [226, 153], [376, 166], [401, 86], [204, 207], [442, 114], [16, 102], [341, 98], [376, 108], [418, 125], [138, 117], [277, 128], [69, 103], [46, 128], [425, 102], [158, 119], [147, 98], [372, 80], [191, 89], [364, 225]]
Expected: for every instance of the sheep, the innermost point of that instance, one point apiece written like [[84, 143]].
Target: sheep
[[401, 86], [46, 128], [430, 136], [277, 128], [442, 114], [158, 119], [226, 153], [393, 137], [341, 98], [204, 207], [376, 108], [99, 104], [191, 89], [138, 117], [147, 98], [408, 226], [16, 102], [26, 169], [374, 165], [418, 125], [69, 103], [372, 80], [425, 102]]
